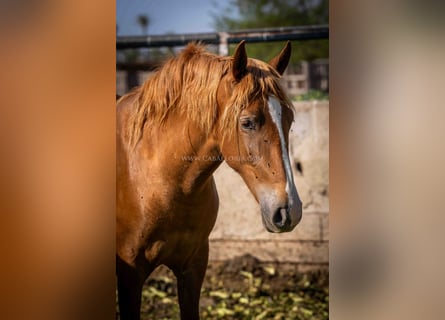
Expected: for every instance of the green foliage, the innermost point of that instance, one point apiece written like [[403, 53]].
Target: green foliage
[[131, 55], [248, 14], [312, 95]]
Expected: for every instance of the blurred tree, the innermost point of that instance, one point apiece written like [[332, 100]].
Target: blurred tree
[[247, 14], [143, 21]]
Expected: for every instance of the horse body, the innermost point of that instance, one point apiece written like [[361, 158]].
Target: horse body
[[167, 201], [173, 205]]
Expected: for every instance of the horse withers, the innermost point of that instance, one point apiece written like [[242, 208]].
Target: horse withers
[[197, 110]]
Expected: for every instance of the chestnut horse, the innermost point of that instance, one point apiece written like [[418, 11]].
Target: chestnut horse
[[198, 110]]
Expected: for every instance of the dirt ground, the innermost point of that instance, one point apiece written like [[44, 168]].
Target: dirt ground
[[244, 288]]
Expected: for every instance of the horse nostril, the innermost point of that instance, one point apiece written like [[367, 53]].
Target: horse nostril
[[281, 217]]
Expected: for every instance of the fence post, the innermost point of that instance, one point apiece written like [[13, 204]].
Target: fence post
[[223, 43], [132, 79], [305, 70]]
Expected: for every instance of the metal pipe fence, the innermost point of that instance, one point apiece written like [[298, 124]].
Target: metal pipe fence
[[225, 38], [296, 84]]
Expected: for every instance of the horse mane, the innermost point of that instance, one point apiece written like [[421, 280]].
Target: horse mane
[[188, 84]]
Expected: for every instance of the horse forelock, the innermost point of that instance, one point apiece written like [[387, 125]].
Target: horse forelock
[[198, 73], [260, 82]]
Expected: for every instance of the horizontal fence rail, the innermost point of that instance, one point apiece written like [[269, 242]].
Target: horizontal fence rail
[[128, 42], [224, 38]]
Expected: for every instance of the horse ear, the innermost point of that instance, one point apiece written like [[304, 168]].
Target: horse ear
[[281, 61], [239, 67]]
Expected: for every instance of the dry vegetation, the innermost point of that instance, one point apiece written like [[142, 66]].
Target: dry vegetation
[[244, 288]]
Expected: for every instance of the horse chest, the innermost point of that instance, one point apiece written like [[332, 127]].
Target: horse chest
[[181, 231], [174, 246], [173, 251]]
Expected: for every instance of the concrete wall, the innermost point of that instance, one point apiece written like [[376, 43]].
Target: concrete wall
[[239, 229]]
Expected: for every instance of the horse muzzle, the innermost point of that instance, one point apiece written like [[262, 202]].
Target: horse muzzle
[[278, 218]]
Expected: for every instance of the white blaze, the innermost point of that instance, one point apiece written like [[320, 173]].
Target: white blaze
[[276, 112]]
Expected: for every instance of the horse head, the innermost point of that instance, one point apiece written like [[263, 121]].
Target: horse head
[[256, 146]]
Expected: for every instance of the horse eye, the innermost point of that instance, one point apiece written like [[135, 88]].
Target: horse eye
[[247, 124]]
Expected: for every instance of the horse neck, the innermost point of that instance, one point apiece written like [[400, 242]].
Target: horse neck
[[184, 153]]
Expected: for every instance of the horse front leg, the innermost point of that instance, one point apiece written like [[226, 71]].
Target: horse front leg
[[129, 286], [189, 283]]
